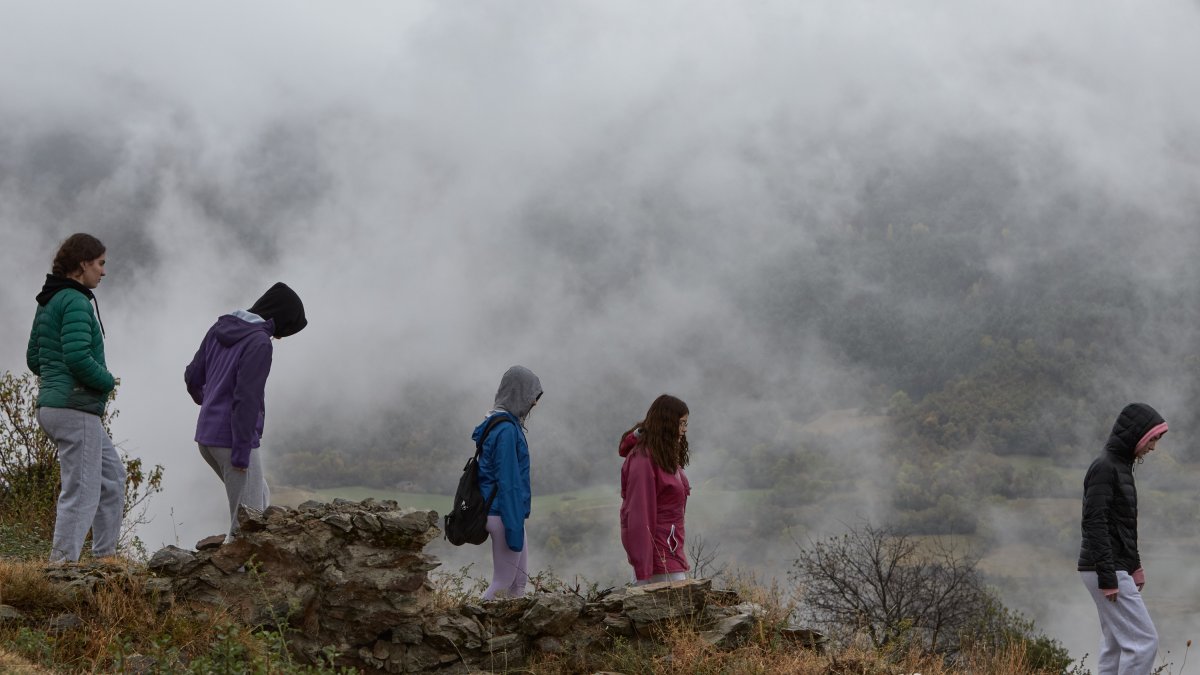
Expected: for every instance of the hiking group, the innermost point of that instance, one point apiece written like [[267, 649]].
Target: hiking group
[[227, 379]]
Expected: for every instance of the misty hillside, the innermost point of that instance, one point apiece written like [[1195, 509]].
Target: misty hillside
[[965, 336], [904, 262]]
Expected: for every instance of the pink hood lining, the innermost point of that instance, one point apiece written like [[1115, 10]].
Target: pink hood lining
[[1154, 431]]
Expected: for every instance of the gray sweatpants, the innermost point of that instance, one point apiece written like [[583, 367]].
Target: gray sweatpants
[[93, 484], [247, 487], [1129, 641]]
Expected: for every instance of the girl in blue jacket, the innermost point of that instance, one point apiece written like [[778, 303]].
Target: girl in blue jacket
[[504, 472]]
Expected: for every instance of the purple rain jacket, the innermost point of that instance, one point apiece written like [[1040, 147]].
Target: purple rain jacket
[[227, 378]]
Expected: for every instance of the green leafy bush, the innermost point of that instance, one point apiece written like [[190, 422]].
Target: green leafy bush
[[29, 473]]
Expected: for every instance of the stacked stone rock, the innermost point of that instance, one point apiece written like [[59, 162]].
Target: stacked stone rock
[[330, 572], [352, 576]]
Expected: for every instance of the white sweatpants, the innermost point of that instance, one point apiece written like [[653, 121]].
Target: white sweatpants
[[659, 578], [1129, 641]]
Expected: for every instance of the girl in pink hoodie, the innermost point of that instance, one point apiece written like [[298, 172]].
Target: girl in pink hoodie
[[654, 492]]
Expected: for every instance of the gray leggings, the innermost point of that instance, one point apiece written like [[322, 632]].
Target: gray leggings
[[247, 487], [93, 484]]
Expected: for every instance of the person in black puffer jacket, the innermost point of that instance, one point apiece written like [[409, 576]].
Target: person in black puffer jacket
[[1109, 562]]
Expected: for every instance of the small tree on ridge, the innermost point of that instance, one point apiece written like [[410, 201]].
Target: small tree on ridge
[[891, 588]]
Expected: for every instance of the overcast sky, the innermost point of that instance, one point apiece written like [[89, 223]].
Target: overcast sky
[[579, 187]]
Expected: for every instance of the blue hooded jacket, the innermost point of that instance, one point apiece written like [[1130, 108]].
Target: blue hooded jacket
[[504, 462]]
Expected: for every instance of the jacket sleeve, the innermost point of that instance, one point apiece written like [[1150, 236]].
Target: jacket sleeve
[[31, 351], [248, 399], [640, 504], [195, 376], [509, 500], [78, 323], [1097, 509]]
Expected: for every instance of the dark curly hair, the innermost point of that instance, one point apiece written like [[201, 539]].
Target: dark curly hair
[[74, 251], [660, 433]]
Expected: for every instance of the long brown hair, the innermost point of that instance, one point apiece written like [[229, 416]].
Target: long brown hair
[[74, 251], [660, 433]]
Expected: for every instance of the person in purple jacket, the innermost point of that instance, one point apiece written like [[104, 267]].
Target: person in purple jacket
[[227, 378]]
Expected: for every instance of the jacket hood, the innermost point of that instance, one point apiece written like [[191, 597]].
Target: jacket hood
[[519, 390], [629, 442], [54, 284], [488, 418], [231, 329], [281, 305], [1136, 424]]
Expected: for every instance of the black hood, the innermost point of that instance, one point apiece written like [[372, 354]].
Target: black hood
[[1134, 422], [54, 284], [281, 304]]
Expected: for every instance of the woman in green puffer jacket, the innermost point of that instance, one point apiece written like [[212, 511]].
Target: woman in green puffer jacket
[[66, 352]]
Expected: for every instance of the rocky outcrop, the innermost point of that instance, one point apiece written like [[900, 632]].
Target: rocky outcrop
[[328, 572], [351, 577]]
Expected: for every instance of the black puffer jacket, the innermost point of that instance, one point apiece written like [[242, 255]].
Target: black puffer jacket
[[1110, 538]]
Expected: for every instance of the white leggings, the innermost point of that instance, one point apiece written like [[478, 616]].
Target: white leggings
[[658, 578], [509, 567]]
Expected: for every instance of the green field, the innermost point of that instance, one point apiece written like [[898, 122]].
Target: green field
[[596, 497], [578, 500]]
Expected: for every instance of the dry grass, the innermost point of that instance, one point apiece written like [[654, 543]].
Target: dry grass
[[778, 604], [125, 607], [454, 589], [24, 585], [120, 616], [685, 652], [15, 665], [765, 652]]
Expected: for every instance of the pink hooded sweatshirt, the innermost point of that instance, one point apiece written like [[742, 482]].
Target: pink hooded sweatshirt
[[652, 506]]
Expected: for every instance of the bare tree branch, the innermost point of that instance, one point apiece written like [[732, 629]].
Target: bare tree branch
[[890, 587]]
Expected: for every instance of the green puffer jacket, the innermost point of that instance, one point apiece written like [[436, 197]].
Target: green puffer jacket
[[66, 349]]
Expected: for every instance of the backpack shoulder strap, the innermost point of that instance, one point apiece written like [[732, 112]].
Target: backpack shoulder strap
[[496, 419]]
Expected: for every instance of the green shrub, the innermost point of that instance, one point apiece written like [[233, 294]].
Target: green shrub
[[998, 628], [29, 473]]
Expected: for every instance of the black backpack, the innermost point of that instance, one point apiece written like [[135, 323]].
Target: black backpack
[[467, 521]]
